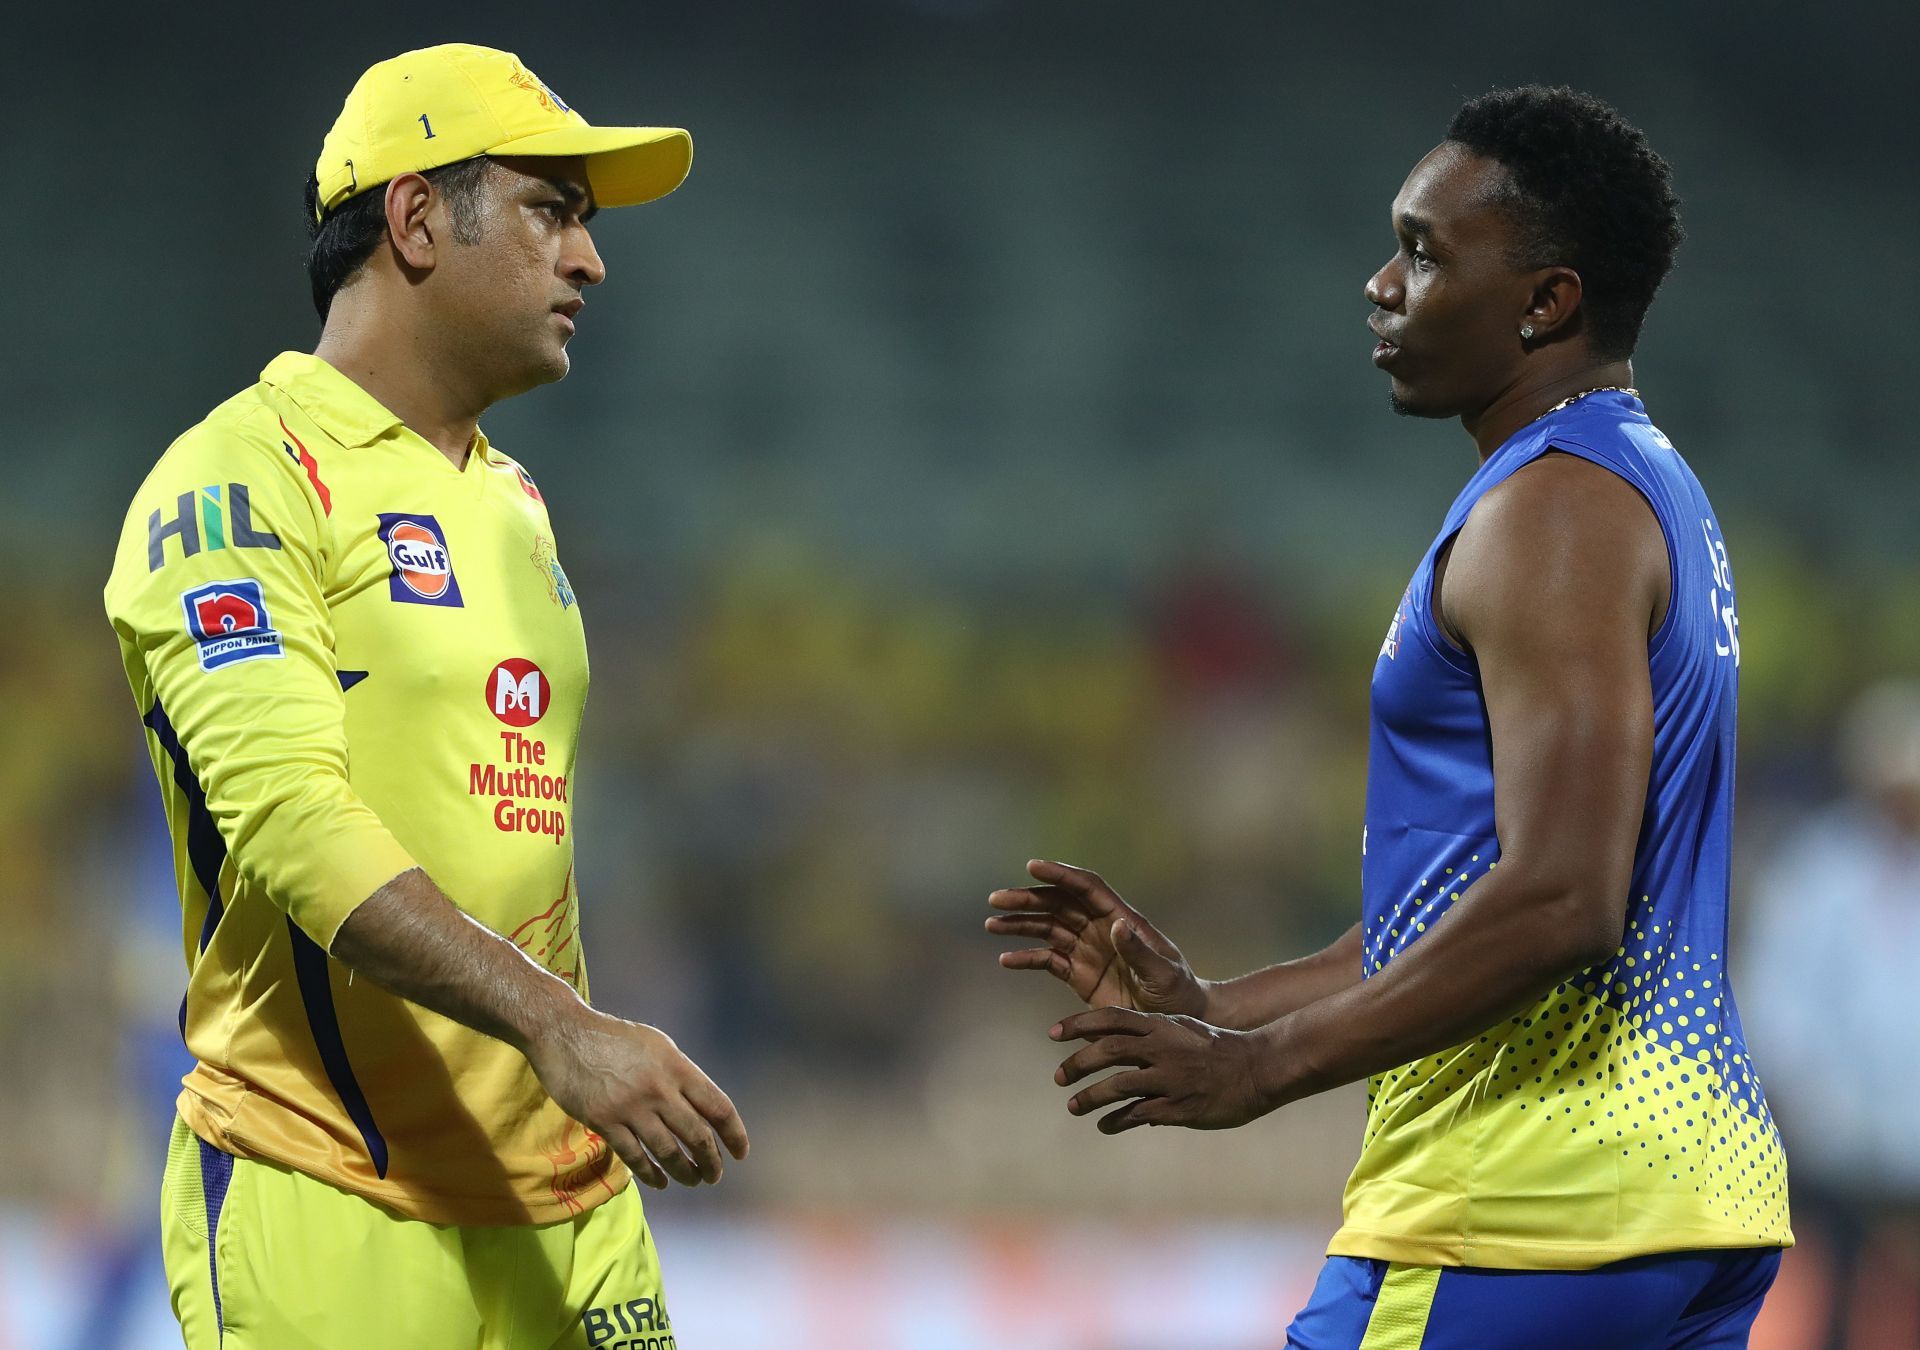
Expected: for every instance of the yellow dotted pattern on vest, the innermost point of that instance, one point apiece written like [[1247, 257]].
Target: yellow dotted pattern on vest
[[1635, 1055]]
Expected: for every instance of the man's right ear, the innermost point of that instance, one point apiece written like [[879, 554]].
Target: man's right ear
[[409, 198]]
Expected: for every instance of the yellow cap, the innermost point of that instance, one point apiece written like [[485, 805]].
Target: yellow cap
[[440, 105]]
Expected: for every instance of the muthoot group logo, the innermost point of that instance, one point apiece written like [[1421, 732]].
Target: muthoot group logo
[[518, 692]]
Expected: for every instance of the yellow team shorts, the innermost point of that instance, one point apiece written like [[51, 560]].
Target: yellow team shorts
[[260, 1257]]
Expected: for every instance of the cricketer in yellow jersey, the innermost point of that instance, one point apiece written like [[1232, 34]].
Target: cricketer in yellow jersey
[[349, 634]]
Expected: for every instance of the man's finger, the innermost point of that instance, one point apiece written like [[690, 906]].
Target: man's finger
[[705, 1096], [621, 1140], [695, 1137], [1077, 880], [665, 1150], [1119, 1087], [1038, 958], [1104, 1022], [1102, 1054], [1142, 1111], [1024, 925], [1039, 900]]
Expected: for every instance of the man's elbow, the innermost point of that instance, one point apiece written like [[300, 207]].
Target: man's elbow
[[1585, 927], [1571, 918]]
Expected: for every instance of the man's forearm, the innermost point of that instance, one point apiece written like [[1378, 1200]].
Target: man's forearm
[[1266, 995], [409, 938], [626, 1082], [1501, 948]]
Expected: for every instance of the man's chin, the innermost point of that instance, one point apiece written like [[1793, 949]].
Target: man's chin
[[551, 367], [1406, 403]]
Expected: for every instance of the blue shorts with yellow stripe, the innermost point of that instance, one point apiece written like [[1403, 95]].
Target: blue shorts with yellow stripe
[[1704, 1300]]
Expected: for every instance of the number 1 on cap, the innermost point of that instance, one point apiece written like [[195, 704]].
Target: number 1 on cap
[[428, 125]]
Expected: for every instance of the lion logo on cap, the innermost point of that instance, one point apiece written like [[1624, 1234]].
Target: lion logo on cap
[[525, 79]]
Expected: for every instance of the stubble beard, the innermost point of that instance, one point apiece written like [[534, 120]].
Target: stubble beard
[[1403, 407]]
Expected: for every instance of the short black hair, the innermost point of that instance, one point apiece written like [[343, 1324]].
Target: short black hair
[[342, 243], [1587, 192]]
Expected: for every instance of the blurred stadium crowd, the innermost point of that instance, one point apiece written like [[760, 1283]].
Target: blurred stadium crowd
[[978, 459]]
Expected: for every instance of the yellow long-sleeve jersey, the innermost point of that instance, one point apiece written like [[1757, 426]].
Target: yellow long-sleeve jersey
[[352, 659]]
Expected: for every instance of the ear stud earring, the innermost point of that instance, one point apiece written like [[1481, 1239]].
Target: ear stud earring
[[1526, 332]]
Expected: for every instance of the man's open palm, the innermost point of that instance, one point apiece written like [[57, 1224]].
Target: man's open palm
[[1096, 943]]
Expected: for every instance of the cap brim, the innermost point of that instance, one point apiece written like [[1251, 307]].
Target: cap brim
[[625, 165]]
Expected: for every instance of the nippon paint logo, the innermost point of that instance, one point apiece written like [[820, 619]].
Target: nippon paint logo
[[422, 563], [228, 622], [518, 693]]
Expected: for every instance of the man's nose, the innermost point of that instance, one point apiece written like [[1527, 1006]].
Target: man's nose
[[581, 263], [1383, 288]]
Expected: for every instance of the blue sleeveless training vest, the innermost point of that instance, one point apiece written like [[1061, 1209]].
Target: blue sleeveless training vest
[[1621, 1115]]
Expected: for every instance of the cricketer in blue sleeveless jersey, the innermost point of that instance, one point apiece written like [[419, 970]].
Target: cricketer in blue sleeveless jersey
[[1567, 1143]]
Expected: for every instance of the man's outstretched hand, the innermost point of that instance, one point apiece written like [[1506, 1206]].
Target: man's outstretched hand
[[1174, 1070], [1096, 943]]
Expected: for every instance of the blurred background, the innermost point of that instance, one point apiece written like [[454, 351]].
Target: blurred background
[[978, 459]]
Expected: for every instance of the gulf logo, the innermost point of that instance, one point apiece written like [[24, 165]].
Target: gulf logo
[[420, 560], [422, 563], [518, 692]]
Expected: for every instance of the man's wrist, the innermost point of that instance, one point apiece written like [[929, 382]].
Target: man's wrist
[[551, 1012], [1281, 1073], [1216, 1003]]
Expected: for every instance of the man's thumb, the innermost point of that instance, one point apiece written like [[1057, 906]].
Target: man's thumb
[[1133, 949]]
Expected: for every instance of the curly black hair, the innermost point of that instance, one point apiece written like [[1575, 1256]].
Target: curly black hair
[[341, 244], [1587, 192]]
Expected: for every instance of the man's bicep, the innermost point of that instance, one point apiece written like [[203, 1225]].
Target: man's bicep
[[1552, 590], [1572, 747]]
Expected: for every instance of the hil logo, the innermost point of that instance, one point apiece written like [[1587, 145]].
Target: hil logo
[[204, 520], [518, 692]]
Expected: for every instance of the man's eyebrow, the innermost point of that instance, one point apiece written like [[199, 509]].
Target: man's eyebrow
[[1415, 225], [574, 195]]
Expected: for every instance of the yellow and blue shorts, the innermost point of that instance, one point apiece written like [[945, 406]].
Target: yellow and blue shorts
[[260, 1257], [1700, 1300]]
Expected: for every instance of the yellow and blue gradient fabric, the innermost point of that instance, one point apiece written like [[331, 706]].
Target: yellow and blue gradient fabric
[[1620, 1115]]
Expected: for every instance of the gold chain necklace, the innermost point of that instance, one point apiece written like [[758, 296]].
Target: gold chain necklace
[[1572, 399]]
